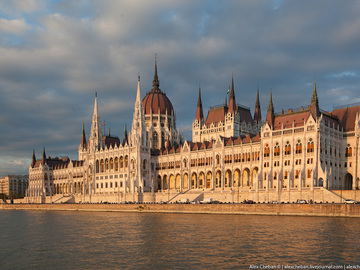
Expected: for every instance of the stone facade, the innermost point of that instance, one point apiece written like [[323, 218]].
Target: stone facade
[[300, 154]]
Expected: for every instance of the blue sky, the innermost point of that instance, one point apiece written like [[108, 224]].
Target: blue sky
[[56, 54]]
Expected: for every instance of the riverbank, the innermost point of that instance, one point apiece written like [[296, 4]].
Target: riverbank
[[323, 210]]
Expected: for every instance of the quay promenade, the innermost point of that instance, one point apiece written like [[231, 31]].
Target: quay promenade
[[323, 210]]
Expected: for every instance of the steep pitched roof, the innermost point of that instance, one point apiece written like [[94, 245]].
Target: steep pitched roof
[[347, 117]]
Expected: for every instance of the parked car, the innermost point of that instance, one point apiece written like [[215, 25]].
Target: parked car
[[349, 201]]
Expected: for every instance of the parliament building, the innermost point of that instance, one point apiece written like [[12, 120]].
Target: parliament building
[[304, 154]]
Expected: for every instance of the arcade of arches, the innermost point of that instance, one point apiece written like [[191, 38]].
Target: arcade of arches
[[208, 180]]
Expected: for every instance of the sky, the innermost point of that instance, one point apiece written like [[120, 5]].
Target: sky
[[54, 56]]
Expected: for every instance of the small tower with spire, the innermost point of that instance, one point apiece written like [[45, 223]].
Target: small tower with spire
[[33, 161], [232, 102], [138, 130], [257, 112], [270, 116], [43, 160], [314, 106], [95, 139], [83, 145], [125, 138], [199, 118]]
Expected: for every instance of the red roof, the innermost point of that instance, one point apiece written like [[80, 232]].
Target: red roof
[[217, 115], [347, 117], [287, 120]]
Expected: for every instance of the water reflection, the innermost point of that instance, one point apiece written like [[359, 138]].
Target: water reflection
[[82, 240]]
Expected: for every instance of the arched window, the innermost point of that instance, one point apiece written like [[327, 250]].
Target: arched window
[[106, 165], [286, 175], [287, 148], [121, 162], [310, 146], [126, 161], [116, 164], [298, 147], [144, 164], [348, 151], [111, 164], [97, 166], [277, 150], [266, 150], [155, 140], [102, 165]]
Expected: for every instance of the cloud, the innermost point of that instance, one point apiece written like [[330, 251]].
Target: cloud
[[56, 54]]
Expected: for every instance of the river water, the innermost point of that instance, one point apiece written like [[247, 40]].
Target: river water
[[112, 240]]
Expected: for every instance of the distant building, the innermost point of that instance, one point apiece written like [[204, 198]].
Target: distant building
[[298, 154], [14, 186]]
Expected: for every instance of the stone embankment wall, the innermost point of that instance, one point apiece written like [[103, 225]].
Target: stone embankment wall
[[329, 210]]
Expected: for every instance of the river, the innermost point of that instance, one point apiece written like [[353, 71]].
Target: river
[[113, 240]]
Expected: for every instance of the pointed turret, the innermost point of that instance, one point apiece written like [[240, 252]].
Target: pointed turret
[[83, 138], [43, 160], [33, 161], [199, 109], [138, 130], [156, 83], [314, 107], [95, 138], [270, 117], [257, 112], [232, 103], [125, 139]]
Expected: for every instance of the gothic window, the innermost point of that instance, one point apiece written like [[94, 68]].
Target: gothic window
[[111, 164], [102, 166], [185, 163], [286, 175], [126, 161], [144, 164], [155, 140], [277, 150], [310, 146], [297, 174], [298, 147], [217, 159], [266, 150], [116, 162], [287, 148], [121, 162], [97, 167], [348, 151], [162, 139], [106, 165]]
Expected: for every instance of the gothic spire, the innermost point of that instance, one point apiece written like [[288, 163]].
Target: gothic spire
[[199, 109], [156, 79], [33, 159], [314, 99], [257, 112], [314, 106], [83, 137], [125, 139], [232, 103], [95, 137], [43, 160], [270, 117]]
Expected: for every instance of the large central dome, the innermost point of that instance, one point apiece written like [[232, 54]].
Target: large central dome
[[156, 100]]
